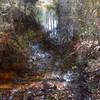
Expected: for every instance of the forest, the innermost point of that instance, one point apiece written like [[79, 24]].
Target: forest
[[49, 49]]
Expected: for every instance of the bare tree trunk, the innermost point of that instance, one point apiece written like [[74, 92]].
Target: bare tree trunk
[[82, 91], [53, 24]]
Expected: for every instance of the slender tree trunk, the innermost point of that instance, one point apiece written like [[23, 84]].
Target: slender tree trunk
[[53, 24], [82, 91]]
